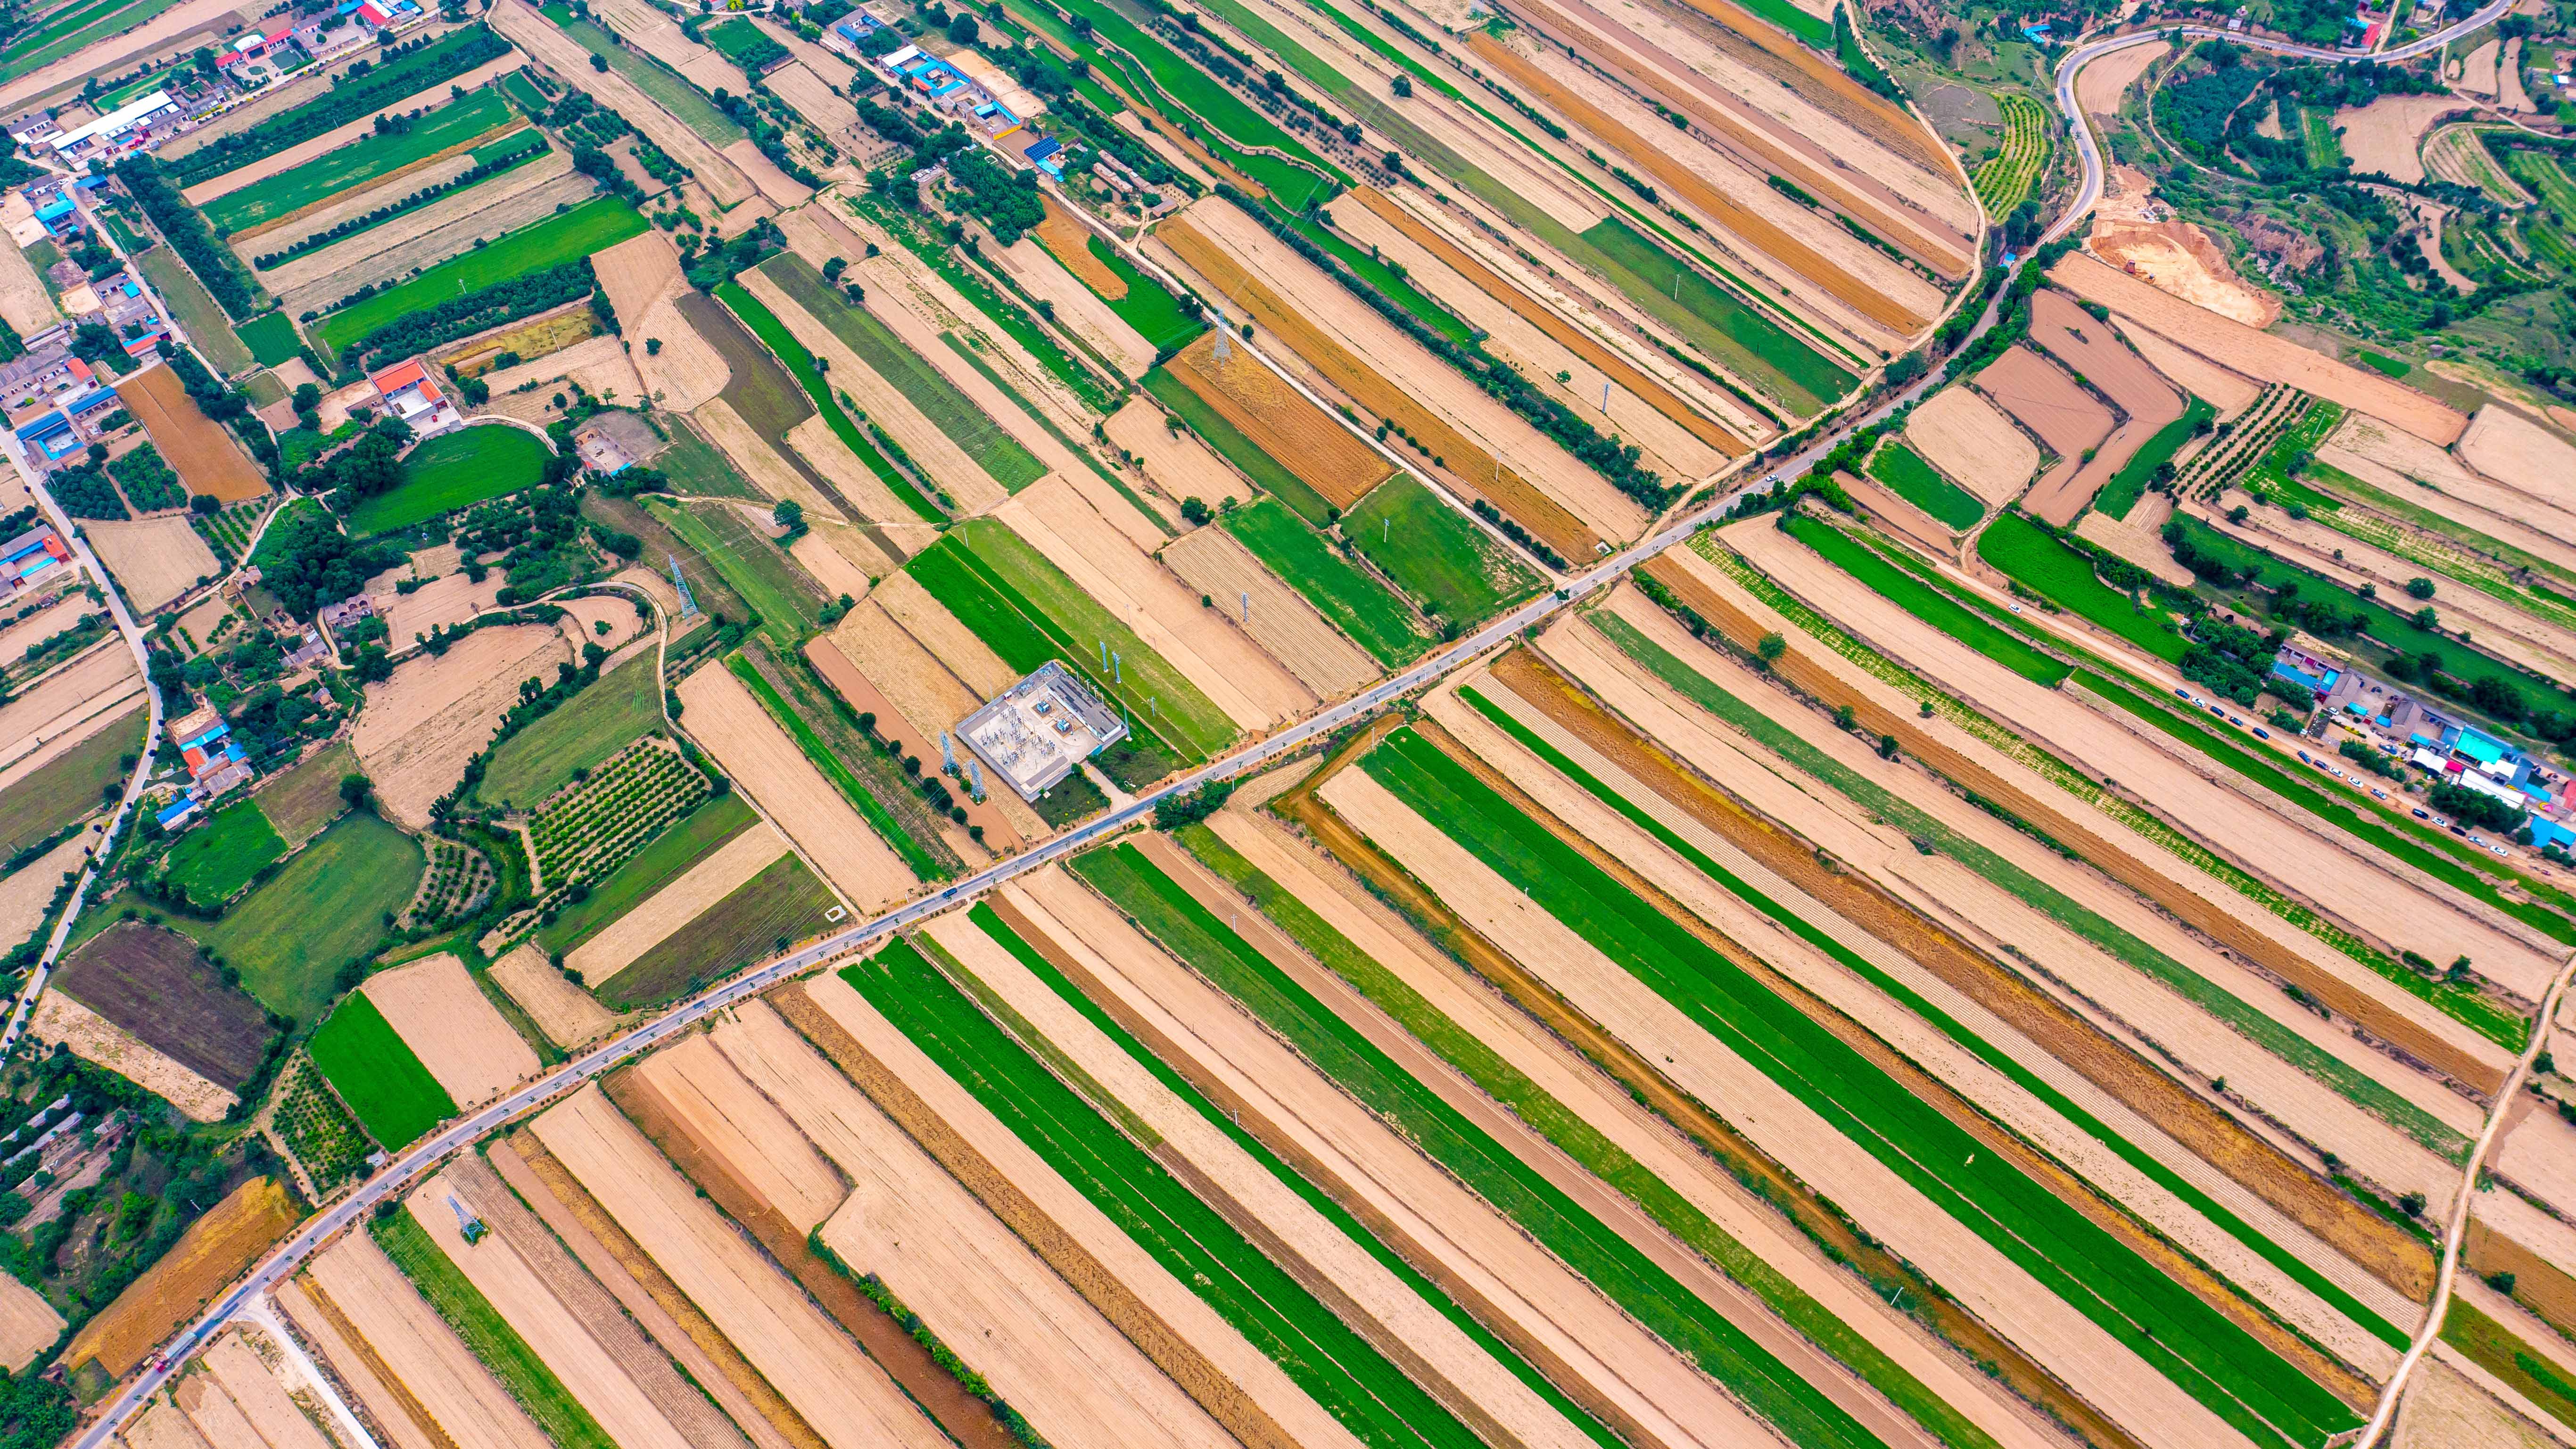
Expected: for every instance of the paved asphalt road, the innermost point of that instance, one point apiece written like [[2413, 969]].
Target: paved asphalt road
[[421, 1159]]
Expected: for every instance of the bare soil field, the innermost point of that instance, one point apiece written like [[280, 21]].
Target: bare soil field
[[2133, 231], [599, 364], [459, 1035], [1045, 1350], [448, 227], [563, 55], [2231, 393], [1961, 434], [2443, 1407], [2513, 450], [749, 746], [19, 639], [2095, 354], [2400, 463], [163, 1425], [951, 643], [600, 958], [1172, 459], [152, 981], [860, 489], [97, 1040], [2099, 89], [846, 1398], [582, 618], [775, 184], [1235, 1382], [364, 1379], [1277, 617], [746, 1133], [1281, 422], [637, 272], [567, 1014], [2387, 136], [259, 1393], [207, 1258], [2259, 354], [2065, 417], [876, 668], [1041, 270], [1251, 687], [65, 706], [416, 1348], [155, 559], [205, 455], [24, 303], [417, 729], [833, 554], [27, 891]]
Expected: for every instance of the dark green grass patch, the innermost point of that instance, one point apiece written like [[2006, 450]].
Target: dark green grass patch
[[2038, 561], [2206, 1354], [354, 165], [497, 1345], [2130, 484], [1910, 478], [1374, 1399], [1375, 617], [593, 226], [456, 470], [2382, 363], [742, 42], [380, 1078], [70, 786], [784, 902], [219, 857], [1803, 1414], [270, 337], [618, 707], [290, 936], [1434, 553], [808, 374], [697, 469], [668, 857], [1928, 604], [194, 306], [1228, 442]]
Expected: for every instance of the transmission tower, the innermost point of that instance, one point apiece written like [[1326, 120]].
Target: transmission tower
[[680, 581]]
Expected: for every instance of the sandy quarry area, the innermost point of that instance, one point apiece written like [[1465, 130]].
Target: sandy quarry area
[[65, 706], [1173, 1324], [567, 1014], [949, 641], [354, 1281], [2065, 417], [1277, 617], [155, 560], [749, 746], [1046, 1350], [600, 958], [846, 1398], [2515, 451], [2387, 136], [2259, 354], [1961, 434], [94, 1038], [2095, 354], [459, 1035], [417, 729], [2134, 231], [1250, 686], [2099, 89], [2049, 1329]]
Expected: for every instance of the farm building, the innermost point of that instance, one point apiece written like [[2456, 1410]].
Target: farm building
[[30, 558], [115, 128], [411, 394]]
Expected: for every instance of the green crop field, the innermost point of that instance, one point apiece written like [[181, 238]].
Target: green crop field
[[270, 337], [291, 936], [454, 125], [809, 741], [1722, 324], [622, 704], [219, 857], [495, 1344], [789, 602], [2316, 133], [1361, 606], [1456, 570], [2204, 1352], [1928, 604], [785, 902], [590, 227], [380, 1078], [742, 42], [456, 470], [1197, 92], [194, 306], [1266, 472], [2039, 562], [2130, 484], [1917, 482], [69, 786], [1519, 1191], [992, 447], [72, 27], [2002, 182], [696, 469], [668, 857], [1374, 1399], [1149, 306], [663, 84], [800, 364]]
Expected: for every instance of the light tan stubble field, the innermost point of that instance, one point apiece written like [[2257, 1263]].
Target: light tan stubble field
[[750, 746], [456, 1032]]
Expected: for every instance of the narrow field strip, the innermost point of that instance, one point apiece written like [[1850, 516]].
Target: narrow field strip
[[2212, 1359], [497, 1345], [843, 779]]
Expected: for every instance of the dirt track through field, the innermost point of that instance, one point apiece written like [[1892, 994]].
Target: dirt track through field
[[417, 729], [2254, 353], [1277, 617], [1962, 434], [1254, 690], [2048, 1328], [750, 746], [424, 1355], [2086, 345], [847, 1399], [2065, 417], [458, 1034]]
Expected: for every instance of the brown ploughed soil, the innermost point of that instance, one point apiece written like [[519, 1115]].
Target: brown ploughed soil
[[1069, 242], [205, 455], [2049, 403], [2075, 338], [153, 982]]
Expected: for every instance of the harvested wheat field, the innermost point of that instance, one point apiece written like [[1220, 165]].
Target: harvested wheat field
[[758, 460], [2048, 402], [2259, 354], [951, 643], [20, 639], [95, 1039], [1250, 686], [24, 303], [280, 233], [214, 1250], [734, 863], [2386, 137], [540, 337], [2137, 543], [445, 228], [1171, 457], [203, 452], [626, 619], [435, 1372], [1046, 1351], [847, 1399], [460, 1036], [567, 1014], [1238, 1384], [2099, 89], [69, 704], [859, 488], [2230, 393], [162, 1424], [598, 364], [565, 56], [878, 668], [27, 892], [2517, 452], [842, 558], [1277, 617], [240, 1368], [28, 1325], [1279, 420], [217, 1419], [748, 745], [1961, 434], [417, 729], [2089, 348], [686, 371], [737, 1131], [2445, 1408], [637, 272], [1040, 270], [442, 603], [2405, 465]]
